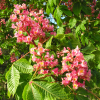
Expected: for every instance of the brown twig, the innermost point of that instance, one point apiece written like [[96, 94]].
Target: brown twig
[[46, 40], [92, 93], [35, 72], [34, 43], [60, 2], [71, 89], [23, 56]]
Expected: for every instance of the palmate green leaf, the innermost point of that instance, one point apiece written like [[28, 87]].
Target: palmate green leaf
[[77, 8], [39, 90], [49, 79], [12, 77], [23, 66], [50, 91], [30, 93]]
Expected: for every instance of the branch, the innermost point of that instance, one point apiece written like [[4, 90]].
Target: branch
[[23, 56], [92, 93]]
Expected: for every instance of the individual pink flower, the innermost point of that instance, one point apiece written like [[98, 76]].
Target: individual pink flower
[[22, 17], [69, 76], [55, 71], [23, 6], [13, 17], [65, 82], [19, 24], [81, 72], [75, 86], [42, 71], [13, 26], [17, 6], [17, 11]]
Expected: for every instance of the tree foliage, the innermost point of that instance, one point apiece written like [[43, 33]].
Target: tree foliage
[[24, 48]]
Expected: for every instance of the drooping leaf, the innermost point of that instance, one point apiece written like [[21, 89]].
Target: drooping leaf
[[23, 66], [12, 77], [89, 57], [86, 9], [77, 8], [48, 43], [89, 49]]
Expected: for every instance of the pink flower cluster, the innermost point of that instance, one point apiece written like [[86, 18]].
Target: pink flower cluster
[[0, 51], [74, 67], [2, 21], [30, 25], [92, 6], [13, 58], [44, 62], [2, 4], [69, 5]]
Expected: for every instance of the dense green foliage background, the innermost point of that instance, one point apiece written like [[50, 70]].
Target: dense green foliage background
[[84, 31]]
